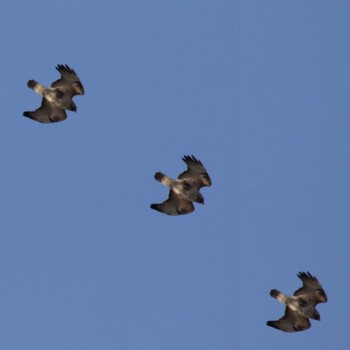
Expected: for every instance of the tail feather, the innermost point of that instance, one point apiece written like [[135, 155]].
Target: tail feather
[[275, 293], [32, 84], [159, 176], [162, 178]]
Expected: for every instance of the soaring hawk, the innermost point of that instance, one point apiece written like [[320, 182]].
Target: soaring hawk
[[57, 97], [301, 306], [185, 189]]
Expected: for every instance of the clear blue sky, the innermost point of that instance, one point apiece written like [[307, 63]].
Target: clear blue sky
[[259, 91]]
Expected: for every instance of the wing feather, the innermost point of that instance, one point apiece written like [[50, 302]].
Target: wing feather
[[291, 322], [311, 290], [174, 205], [195, 173], [69, 81], [47, 113]]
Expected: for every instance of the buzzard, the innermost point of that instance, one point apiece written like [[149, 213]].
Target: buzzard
[[185, 189], [57, 97], [301, 306]]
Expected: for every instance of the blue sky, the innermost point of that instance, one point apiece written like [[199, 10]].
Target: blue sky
[[257, 91]]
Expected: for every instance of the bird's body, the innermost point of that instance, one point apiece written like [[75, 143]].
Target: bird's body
[[297, 304], [182, 188], [55, 95]]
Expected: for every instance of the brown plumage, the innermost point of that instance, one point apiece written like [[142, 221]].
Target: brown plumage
[[301, 306], [57, 98], [185, 189]]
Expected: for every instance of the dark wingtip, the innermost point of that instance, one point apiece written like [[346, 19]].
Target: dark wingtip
[[272, 324], [28, 114], [61, 67], [301, 274], [186, 158], [191, 159], [155, 207], [310, 276], [31, 115], [306, 275]]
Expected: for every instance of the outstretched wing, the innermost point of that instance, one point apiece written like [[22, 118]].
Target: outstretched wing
[[290, 322], [196, 173], [69, 81], [312, 291], [47, 113], [174, 205]]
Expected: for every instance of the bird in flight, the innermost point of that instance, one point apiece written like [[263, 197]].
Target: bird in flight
[[185, 189], [57, 98], [301, 306]]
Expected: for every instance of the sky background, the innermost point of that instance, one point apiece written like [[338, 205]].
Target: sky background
[[258, 91]]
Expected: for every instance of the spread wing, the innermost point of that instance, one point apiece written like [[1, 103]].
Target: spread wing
[[196, 173], [174, 205], [291, 322], [312, 291], [69, 81], [47, 113]]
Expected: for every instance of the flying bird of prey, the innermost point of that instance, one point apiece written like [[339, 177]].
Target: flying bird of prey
[[185, 189], [301, 306], [56, 98]]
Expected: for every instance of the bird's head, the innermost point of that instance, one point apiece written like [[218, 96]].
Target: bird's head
[[322, 296], [206, 179], [79, 88]]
